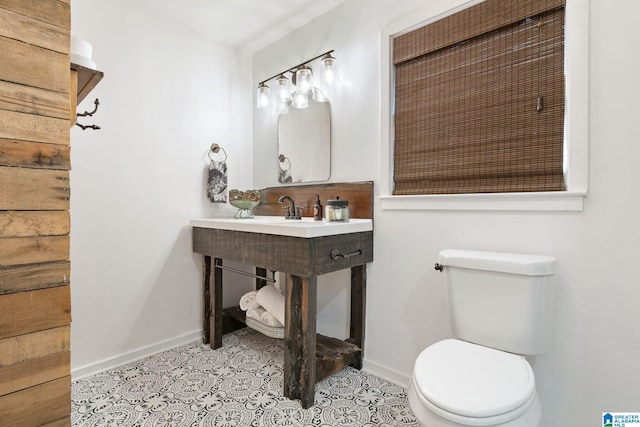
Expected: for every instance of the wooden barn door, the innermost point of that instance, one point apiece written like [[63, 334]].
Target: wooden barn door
[[35, 306]]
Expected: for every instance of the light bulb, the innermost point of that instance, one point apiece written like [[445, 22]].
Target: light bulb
[[329, 70], [262, 96], [282, 90], [304, 79], [300, 100]]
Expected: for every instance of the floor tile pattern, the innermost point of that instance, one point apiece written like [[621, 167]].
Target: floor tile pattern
[[237, 385]]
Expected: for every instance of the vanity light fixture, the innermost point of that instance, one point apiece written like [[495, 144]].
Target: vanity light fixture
[[283, 89], [299, 99], [319, 96], [304, 79], [329, 69], [302, 85], [262, 96]]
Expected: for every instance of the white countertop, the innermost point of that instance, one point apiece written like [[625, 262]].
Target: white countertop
[[305, 227]]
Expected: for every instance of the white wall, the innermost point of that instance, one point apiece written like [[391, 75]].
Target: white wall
[[592, 366], [166, 96]]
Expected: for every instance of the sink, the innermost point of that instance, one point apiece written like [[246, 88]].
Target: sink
[[305, 227]]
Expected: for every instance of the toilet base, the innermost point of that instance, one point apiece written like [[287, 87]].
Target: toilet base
[[427, 418]]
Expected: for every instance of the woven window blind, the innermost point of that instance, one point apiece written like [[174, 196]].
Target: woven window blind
[[479, 101]]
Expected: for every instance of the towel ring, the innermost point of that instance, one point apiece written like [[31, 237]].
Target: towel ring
[[215, 149], [282, 158]]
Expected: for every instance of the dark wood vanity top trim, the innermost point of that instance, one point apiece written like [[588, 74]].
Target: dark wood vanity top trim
[[304, 257], [358, 194]]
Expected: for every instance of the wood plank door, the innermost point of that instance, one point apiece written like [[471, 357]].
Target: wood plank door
[[35, 306]]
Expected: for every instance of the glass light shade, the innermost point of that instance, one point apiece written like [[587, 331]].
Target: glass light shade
[[300, 100], [318, 96], [282, 90], [262, 96], [304, 79], [285, 107], [329, 70]]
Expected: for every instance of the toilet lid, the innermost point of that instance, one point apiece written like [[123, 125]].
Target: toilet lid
[[471, 380]]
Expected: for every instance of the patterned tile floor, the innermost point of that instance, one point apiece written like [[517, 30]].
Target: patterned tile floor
[[239, 384]]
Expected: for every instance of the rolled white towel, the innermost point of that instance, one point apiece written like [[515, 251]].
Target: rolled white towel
[[268, 319], [256, 313], [272, 301], [247, 300], [263, 316]]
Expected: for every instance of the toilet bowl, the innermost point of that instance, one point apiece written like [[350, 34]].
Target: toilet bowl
[[456, 383], [500, 306]]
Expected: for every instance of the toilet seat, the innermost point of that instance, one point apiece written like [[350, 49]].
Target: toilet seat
[[473, 385]]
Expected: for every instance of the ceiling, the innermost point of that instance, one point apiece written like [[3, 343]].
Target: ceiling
[[247, 25]]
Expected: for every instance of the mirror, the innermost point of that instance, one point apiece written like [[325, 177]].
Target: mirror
[[304, 143]]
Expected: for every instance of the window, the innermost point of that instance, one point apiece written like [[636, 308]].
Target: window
[[480, 108], [479, 101]]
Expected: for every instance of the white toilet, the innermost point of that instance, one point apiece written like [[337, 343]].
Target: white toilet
[[501, 308]]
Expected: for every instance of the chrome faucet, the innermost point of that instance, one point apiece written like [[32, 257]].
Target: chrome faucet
[[291, 212]]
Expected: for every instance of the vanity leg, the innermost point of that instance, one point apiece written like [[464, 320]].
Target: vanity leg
[[206, 272], [358, 306], [300, 339], [215, 317]]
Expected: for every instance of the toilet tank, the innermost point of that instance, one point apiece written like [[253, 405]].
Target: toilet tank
[[500, 300]]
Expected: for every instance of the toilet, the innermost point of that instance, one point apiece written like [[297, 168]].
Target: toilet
[[501, 309]]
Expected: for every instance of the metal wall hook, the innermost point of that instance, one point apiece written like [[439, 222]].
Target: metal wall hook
[[89, 114], [85, 127], [281, 159]]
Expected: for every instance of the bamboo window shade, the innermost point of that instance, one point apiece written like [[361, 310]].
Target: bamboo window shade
[[479, 101]]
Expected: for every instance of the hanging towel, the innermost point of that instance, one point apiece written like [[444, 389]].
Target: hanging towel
[[217, 181], [272, 301]]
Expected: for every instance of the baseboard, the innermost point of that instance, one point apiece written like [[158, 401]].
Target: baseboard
[[134, 355], [368, 366], [386, 373]]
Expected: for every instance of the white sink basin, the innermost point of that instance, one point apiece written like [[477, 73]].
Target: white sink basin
[[305, 227]]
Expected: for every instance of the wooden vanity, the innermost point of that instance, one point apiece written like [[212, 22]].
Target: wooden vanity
[[309, 357]]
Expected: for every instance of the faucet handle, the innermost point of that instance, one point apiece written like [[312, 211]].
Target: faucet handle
[[287, 211], [298, 214]]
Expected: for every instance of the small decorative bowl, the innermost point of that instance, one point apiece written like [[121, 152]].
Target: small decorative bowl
[[245, 201]]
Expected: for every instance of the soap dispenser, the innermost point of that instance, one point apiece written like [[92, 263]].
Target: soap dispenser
[[317, 209]]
